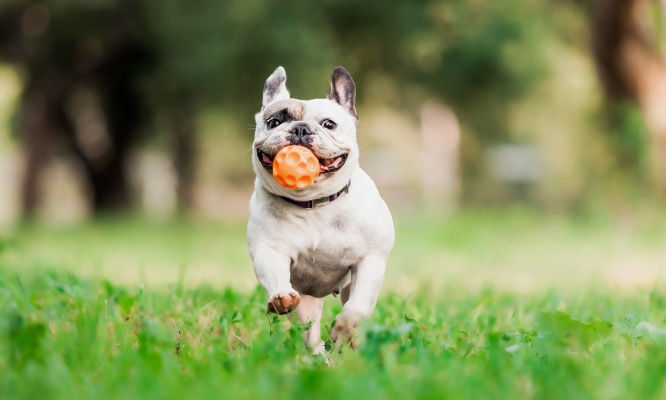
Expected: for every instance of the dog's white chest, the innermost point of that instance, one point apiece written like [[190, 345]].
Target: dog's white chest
[[322, 261]]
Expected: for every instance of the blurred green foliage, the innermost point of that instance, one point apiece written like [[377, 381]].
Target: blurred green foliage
[[630, 139], [466, 53], [220, 52]]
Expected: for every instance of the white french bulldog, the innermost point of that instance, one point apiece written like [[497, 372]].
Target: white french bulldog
[[332, 237]]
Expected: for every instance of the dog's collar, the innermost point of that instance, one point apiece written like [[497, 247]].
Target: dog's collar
[[322, 201]]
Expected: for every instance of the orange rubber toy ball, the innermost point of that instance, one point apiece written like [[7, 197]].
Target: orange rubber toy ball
[[295, 167]]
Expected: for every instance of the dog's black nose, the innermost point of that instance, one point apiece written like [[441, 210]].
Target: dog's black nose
[[299, 134]]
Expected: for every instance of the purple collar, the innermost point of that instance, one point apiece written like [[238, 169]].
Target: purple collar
[[322, 201]]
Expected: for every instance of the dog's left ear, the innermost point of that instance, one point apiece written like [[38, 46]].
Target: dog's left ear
[[275, 87], [343, 90]]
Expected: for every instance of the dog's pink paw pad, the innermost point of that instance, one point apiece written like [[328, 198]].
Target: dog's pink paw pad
[[282, 303]]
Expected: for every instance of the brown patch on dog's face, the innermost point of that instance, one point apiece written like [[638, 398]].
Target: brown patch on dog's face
[[285, 110]]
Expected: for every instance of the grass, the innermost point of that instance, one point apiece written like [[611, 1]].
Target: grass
[[137, 310]]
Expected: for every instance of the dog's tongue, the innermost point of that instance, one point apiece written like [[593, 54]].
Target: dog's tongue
[[329, 163]]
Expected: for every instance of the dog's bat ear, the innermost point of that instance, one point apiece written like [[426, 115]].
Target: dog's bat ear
[[343, 90], [275, 87]]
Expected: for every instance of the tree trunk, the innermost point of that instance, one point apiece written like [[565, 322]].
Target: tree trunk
[[184, 153], [630, 67], [37, 134]]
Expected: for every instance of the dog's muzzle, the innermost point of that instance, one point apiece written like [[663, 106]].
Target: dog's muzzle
[[325, 164], [300, 135]]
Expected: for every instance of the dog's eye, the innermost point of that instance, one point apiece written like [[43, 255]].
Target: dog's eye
[[328, 124], [273, 123]]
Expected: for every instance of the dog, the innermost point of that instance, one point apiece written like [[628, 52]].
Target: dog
[[332, 237]]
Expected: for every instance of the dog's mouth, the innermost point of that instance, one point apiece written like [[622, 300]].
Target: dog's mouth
[[325, 164]]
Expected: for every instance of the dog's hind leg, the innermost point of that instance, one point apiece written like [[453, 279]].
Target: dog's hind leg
[[359, 297], [344, 294], [309, 310]]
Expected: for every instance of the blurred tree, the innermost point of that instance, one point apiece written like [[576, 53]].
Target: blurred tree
[[628, 45], [480, 57], [218, 54], [80, 62]]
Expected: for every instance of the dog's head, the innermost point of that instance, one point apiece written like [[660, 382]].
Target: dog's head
[[325, 126]]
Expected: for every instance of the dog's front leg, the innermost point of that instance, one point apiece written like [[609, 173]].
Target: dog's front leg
[[367, 279], [272, 270], [310, 311]]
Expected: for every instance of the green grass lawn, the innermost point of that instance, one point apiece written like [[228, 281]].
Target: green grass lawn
[[479, 305]]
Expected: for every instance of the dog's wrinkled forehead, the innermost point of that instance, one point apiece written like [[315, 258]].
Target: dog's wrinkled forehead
[[285, 110]]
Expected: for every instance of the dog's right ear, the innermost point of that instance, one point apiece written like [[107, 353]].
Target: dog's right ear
[[275, 87]]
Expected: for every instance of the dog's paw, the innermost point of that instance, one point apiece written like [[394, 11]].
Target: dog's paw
[[344, 330], [283, 302]]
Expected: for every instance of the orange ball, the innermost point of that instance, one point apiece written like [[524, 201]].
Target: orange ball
[[295, 167]]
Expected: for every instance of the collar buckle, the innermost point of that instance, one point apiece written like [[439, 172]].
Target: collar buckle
[[322, 201]]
